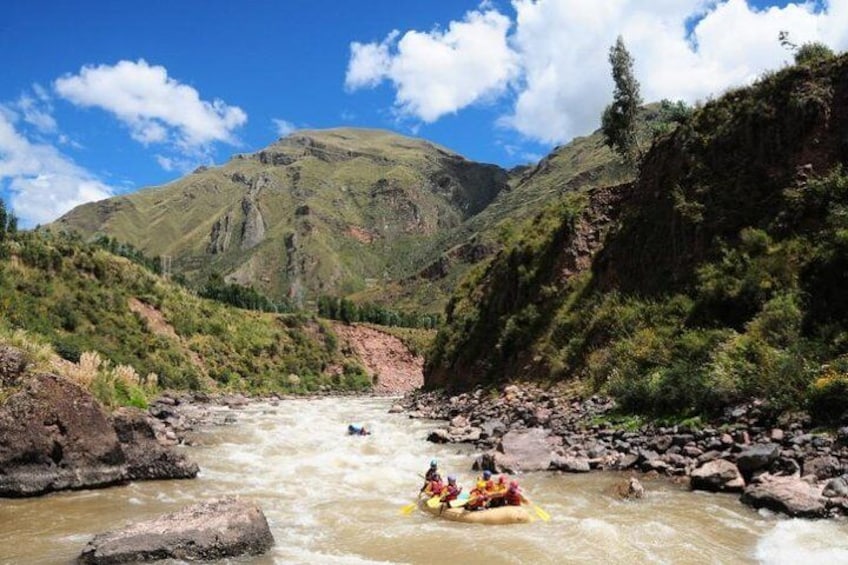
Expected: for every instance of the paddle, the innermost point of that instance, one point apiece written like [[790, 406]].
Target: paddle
[[407, 510], [434, 502], [539, 512]]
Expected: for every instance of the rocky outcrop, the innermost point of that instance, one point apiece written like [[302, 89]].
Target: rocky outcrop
[[146, 457], [789, 495], [12, 365], [55, 436], [253, 228], [217, 529], [222, 231]]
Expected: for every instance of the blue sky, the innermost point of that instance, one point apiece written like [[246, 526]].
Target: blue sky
[[103, 98]]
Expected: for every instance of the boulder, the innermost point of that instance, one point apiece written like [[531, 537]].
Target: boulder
[[570, 464], [54, 436], [824, 467], [836, 488], [146, 457], [527, 450], [789, 495], [757, 457], [717, 475], [217, 529], [439, 435], [629, 490]]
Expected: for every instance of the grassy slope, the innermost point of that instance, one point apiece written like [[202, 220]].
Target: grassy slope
[[76, 298], [341, 208], [719, 283]]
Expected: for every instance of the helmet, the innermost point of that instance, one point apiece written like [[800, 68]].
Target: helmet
[[433, 463], [502, 480], [350, 427], [451, 478], [513, 484], [487, 474]]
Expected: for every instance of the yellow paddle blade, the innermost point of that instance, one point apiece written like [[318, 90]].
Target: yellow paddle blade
[[434, 502], [542, 514], [407, 510]]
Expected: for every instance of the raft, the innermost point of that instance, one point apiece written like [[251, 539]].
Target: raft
[[490, 516]]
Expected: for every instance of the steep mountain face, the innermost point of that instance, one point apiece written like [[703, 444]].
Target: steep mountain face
[[318, 212], [712, 278], [582, 165]]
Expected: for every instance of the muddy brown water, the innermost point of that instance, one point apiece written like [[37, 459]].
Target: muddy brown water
[[330, 498]]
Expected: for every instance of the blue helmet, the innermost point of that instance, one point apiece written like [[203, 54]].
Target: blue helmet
[[451, 478], [487, 474], [433, 463]]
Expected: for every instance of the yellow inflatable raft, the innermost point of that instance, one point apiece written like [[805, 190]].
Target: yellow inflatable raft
[[490, 516]]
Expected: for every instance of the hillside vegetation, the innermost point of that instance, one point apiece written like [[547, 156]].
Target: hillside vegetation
[[71, 297], [327, 212], [717, 276]]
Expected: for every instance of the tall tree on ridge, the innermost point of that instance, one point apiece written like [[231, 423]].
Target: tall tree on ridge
[[618, 123]]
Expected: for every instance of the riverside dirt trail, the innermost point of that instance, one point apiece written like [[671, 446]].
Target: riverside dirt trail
[[332, 498]]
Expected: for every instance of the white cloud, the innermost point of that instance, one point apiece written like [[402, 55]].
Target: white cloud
[[283, 127], [156, 107], [42, 183], [439, 72], [554, 61]]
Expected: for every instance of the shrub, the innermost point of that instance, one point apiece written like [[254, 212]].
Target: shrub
[[827, 397]]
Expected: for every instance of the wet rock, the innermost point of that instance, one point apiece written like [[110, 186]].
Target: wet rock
[[395, 409], [439, 436], [824, 467], [527, 450], [570, 464], [630, 489], [788, 495], [217, 529], [757, 457], [785, 466], [718, 475], [146, 457], [54, 436], [776, 435], [837, 487]]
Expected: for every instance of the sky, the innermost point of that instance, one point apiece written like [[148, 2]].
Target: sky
[[101, 98]]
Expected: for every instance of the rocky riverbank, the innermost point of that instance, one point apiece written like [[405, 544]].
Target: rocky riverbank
[[774, 461]]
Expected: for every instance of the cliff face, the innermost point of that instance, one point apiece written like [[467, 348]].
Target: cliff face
[[711, 278]]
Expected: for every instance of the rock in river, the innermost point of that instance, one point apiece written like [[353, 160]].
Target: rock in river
[[221, 528]]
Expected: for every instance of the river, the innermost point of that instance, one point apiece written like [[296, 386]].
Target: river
[[331, 498]]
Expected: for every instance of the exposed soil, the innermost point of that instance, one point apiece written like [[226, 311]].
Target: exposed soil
[[395, 368], [160, 326]]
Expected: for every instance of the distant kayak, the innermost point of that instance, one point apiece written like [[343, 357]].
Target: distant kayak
[[491, 516]]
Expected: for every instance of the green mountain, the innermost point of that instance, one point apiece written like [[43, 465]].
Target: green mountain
[[318, 212], [717, 275]]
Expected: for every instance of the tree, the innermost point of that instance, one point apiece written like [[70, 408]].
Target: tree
[[806, 53], [618, 123]]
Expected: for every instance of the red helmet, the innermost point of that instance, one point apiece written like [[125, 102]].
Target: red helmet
[[502, 480], [513, 484]]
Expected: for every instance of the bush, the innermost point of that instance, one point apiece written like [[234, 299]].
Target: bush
[[827, 398]]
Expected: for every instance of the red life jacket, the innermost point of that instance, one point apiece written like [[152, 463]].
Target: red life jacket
[[513, 497], [450, 492], [435, 487]]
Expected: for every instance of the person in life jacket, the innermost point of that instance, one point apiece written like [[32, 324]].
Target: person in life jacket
[[432, 472], [451, 490], [435, 486], [478, 498], [357, 430], [496, 497], [513, 494]]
